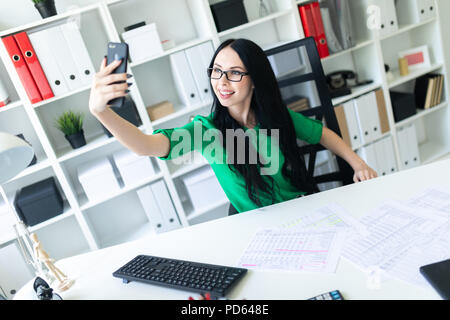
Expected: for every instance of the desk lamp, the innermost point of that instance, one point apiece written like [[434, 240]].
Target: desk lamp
[[15, 155]]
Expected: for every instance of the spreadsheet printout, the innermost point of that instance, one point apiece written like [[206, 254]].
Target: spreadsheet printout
[[297, 250], [393, 228], [330, 216]]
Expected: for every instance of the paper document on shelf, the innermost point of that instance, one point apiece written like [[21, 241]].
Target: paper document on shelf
[[330, 216], [392, 228], [297, 250]]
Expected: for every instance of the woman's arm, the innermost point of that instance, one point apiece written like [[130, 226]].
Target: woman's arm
[[102, 91], [335, 144]]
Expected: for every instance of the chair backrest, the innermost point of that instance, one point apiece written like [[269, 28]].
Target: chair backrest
[[300, 74]]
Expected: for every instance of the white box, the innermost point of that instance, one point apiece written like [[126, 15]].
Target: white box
[[133, 168], [143, 42], [203, 188], [98, 179]]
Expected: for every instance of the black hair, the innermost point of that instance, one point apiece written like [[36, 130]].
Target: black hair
[[270, 113]]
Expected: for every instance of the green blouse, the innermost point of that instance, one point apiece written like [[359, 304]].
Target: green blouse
[[201, 135]]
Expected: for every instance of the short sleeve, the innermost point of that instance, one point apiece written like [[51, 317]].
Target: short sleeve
[[181, 140], [306, 129]]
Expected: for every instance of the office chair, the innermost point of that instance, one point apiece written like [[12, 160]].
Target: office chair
[[293, 78]]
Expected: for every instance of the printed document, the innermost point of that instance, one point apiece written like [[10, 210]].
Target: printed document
[[294, 250]]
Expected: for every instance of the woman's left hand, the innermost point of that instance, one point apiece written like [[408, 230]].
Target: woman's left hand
[[363, 172]]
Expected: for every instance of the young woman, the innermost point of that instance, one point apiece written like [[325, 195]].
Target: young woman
[[247, 98]]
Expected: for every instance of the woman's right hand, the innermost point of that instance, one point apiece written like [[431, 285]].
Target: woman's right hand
[[103, 90]]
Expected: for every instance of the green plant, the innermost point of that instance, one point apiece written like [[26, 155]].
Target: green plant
[[70, 122], [38, 1]]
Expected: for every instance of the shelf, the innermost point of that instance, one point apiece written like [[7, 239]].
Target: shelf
[[91, 144], [171, 51], [432, 151], [183, 111], [142, 231], [11, 105], [408, 27], [86, 204], [356, 93], [68, 212], [198, 162], [45, 21], [398, 79], [255, 22], [63, 96], [198, 213], [420, 113], [384, 135], [32, 169], [341, 53]]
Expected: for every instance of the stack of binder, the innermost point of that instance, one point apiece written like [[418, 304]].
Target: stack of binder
[[188, 68], [428, 90], [157, 204], [363, 119], [338, 24], [50, 62], [313, 26], [28, 67], [409, 148], [380, 156]]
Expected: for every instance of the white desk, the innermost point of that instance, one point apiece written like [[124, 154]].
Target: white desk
[[223, 241]]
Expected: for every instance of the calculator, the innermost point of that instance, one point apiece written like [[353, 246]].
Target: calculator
[[332, 295]]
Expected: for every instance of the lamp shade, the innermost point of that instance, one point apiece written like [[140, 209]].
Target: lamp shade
[[15, 155]]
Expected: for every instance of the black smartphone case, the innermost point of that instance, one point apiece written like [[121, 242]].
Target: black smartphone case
[[118, 51], [438, 275]]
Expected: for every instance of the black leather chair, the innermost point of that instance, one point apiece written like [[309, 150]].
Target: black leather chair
[[310, 74]]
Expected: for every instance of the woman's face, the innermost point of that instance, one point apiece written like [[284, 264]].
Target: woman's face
[[228, 92]]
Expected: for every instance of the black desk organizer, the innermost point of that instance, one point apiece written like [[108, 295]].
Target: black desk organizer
[[325, 111], [229, 14], [39, 202]]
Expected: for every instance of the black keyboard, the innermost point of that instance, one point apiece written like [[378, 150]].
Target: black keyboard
[[178, 274]]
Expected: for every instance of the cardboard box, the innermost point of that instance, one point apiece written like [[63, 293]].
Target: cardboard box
[[160, 110], [133, 168]]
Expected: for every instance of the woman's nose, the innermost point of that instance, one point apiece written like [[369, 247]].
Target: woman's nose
[[223, 78]]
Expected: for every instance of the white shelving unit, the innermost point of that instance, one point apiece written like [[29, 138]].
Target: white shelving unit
[[85, 225]]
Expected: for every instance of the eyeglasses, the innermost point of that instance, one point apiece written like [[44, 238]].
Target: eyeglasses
[[232, 75]]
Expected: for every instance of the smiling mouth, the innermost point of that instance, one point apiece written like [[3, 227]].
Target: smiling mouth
[[225, 94]]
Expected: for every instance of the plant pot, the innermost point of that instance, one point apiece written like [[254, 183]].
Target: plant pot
[[46, 8], [76, 140]]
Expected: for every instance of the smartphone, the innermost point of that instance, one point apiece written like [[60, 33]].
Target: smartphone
[[118, 51]]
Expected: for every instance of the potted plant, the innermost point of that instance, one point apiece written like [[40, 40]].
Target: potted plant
[[71, 124], [46, 8]]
